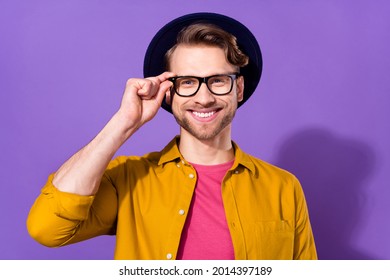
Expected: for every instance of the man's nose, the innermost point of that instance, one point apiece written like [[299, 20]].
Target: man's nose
[[204, 96]]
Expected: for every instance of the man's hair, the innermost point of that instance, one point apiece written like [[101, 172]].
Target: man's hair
[[209, 35]]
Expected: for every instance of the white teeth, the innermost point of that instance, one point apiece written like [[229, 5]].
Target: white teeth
[[203, 115]]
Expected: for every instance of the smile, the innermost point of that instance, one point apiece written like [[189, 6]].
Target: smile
[[203, 115]]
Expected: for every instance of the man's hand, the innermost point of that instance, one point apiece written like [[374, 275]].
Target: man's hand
[[142, 99]]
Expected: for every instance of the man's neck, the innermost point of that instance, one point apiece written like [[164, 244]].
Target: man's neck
[[207, 152]]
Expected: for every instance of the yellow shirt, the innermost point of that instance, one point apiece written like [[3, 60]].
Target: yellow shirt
[[145, 201]]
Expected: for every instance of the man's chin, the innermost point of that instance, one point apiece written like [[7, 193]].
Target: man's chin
[[203, 131]]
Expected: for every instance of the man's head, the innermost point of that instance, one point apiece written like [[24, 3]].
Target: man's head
[[206, 90], [243, 52], [208, 87]]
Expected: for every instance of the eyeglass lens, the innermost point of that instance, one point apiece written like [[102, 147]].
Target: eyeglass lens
[[218, 84]]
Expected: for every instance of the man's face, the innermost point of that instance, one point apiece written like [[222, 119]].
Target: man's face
[[204, 115]]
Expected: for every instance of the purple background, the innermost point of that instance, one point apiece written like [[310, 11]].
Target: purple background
[[321, 109]]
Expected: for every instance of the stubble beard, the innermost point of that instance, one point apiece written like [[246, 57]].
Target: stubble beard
[[204, 132]]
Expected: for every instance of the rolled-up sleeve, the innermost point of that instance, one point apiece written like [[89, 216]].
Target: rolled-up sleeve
[[58, 218]]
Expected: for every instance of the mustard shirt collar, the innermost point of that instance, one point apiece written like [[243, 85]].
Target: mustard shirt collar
[[171, 153]]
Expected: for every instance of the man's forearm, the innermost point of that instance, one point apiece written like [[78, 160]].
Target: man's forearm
[[81, 174]]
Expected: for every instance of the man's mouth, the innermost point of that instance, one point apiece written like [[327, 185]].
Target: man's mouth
[[203, 114]]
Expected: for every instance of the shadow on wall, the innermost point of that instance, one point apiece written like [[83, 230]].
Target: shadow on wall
[[334, 173]]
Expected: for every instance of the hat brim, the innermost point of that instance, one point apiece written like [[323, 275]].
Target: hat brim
[[165, 39]]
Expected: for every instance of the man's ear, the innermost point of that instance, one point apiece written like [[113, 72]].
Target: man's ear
[[240, 88]]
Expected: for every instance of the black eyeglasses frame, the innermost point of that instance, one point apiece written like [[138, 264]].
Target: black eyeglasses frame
[[233, 77]]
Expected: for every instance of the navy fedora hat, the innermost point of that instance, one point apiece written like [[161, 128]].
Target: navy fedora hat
[[165, 38]]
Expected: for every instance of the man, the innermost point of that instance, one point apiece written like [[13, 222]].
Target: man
[[201, 197]]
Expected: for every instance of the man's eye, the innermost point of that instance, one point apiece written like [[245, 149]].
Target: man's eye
[[218, 81], [187, 82]]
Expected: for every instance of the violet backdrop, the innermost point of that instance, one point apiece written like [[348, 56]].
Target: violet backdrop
[[321, 110]]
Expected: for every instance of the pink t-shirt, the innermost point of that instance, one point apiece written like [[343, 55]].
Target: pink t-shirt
[[206, 234]]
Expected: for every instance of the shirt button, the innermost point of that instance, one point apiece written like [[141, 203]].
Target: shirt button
[[236, 171], [178, 165], [181, 212], [192, 176], [169, 256]]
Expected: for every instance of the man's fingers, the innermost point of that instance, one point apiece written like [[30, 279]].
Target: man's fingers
[[164, 87], [151, 86], [164, 76], [147, 89]]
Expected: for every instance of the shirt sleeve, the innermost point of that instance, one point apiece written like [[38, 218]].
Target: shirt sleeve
[[304, 246], [58, 218]]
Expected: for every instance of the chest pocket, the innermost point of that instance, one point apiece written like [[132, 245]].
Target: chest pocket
[[274, 240]]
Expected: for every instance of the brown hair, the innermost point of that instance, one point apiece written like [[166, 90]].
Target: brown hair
[[209, 35]]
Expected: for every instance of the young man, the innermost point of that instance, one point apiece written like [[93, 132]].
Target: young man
[[201, 197]]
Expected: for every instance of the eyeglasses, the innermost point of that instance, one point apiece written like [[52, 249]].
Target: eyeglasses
[[187, 86]]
